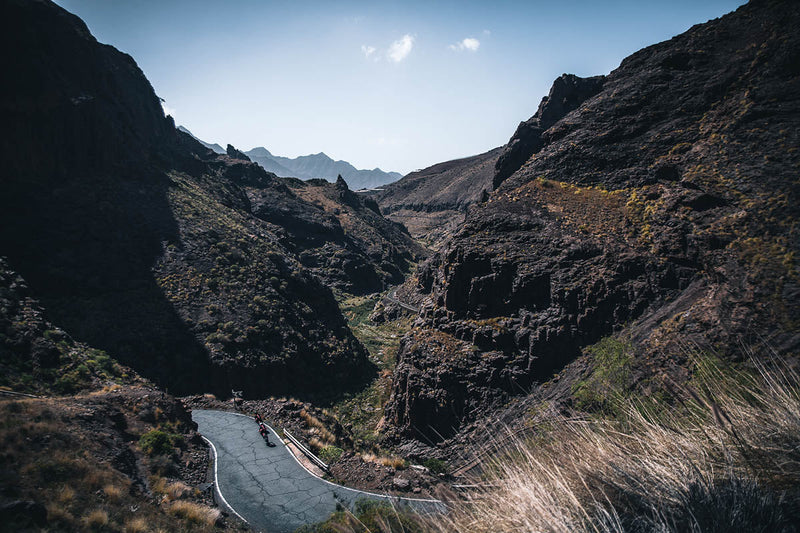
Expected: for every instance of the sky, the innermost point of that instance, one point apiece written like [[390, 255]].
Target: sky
[[395, 85]]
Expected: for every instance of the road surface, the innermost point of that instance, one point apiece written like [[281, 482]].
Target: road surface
[[267, 487], [392, 297]]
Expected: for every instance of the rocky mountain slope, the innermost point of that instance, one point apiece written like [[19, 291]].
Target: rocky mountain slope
[[338, 234], [139, 241], [658, 204], [38, 357], [433, 201], [211, 146], [321, 166]]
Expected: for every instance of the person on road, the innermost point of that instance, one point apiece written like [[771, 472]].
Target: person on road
[[259, 418], [264, 432]]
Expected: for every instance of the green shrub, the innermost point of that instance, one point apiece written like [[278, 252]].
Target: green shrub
[[436, 466], [610, 379], [330, 454], [73, 380], [156, 442], [103, 364]]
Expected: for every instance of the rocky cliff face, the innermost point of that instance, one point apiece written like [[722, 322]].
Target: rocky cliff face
[[662, 208], [138, 240], [566, 94], [337, 234], [432, 202]]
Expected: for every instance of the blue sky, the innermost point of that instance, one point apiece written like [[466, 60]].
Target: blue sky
[[395, 85]]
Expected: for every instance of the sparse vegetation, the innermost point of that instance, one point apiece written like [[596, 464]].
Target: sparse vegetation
[[113, 493], [436, 466], [56, 452], [96, 520], [321, 436], [607, 386], [157, 442], [362, 411]]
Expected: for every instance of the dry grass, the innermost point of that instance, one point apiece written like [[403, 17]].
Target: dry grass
[[310, 420], [136, 525], [721, 460], [113, 493], [158, 484], [397, 463], [106, 389], [96, 478], [96, 519], [194, 513], [58, 514], [177, 490], [315, 443], [317, 428], [65, 494]]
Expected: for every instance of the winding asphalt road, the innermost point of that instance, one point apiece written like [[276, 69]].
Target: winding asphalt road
[[267, 487], [392, 297]]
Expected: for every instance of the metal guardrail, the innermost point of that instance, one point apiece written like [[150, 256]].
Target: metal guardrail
[[392, 297], [12, 393], [314, 459]]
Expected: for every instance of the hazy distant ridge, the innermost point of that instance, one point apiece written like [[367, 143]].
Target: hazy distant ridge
[[311, 166], [321, 166]]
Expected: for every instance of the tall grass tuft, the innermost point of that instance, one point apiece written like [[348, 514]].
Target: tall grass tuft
[[194, 513], [724, 457]]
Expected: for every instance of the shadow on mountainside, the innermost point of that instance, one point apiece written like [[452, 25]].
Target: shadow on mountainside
[[87, 247]]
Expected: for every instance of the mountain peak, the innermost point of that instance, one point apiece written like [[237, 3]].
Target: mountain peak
[[233, 153], [259, 151], [321, 165]]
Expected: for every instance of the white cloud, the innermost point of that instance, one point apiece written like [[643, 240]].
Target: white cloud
[[470, 43], [400, 49], [368, 50], [487, 32]]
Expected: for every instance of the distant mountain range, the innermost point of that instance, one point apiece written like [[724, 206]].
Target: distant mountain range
[[312, 166]]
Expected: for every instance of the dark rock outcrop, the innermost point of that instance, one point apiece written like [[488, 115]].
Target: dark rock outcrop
[[337, 234], [662, 209], [233, 153], [138, 240], [211, 146], [66, 97], [567, 93]]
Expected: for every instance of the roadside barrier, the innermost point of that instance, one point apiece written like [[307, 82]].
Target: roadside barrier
[[22, 394], [314, 459]]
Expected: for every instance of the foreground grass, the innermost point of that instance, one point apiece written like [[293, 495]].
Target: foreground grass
[[725, 457]]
